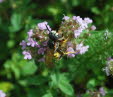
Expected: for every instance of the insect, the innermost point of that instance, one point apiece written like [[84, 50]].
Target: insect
[[54, 40]]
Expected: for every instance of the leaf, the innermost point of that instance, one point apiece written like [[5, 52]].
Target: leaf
[[60, 81], [65, 86], [34, 80], [48, 95], [16, 20], [28, 68]]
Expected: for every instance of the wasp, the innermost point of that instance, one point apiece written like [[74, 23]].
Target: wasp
[[55, 42]]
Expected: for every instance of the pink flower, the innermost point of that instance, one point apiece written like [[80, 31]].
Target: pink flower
[[71, 52], [30, 33], [93, 27], [88, 20], [23, 44], [66, 18], [2, 94], [82, 49], [42, 26], [27, 55]]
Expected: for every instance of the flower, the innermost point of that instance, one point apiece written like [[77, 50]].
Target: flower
[[2, 94], [66, 18], [107, 70], [41, 51], [77, 32], [82, 49], [23, 44], [30, 33], [88, 20], [71, 52], [42, 26], [31, 42], [93, 27], [102, 91], [1, 1], [41, 60], [27, 55]]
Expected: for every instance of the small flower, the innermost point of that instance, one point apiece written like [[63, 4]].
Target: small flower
[[27, 55], [1, 1], [102, 91], [71, 52], [42, 26], [93, 27], [66, 18], [88, 20], [107, 70], [31, 42], [30, 33], [77, 32], [2, 94], [41, 60], [23, 44], [82, 49], [41, 51]]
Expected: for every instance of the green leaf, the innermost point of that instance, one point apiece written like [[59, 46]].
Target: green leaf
[[65, 86], [28, 68], [48, 95], [16, 24], [60, 81]]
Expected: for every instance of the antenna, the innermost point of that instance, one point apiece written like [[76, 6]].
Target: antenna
[[47, 28]]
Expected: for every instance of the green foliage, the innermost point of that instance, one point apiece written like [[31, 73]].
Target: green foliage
[[69, 77]]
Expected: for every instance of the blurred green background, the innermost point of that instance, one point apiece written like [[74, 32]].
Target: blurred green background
[[18, 16]]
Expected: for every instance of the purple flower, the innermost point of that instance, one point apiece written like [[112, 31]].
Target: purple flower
[[23, 44], [66, 18], [88, 20], [42, 26], [82, 24], [41, 60], [2, 94], [1, 1], [27, 55], [41, 51], [71, 52], [102, 91], [82, 49], [93, 27], [77, 32], [30, 33], [69, 44], [44, 43], [31, 42]]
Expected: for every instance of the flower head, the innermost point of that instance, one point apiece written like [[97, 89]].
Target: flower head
[[23, 44], [66, 18], [30, 33], [31, 42], [27, 55], [82, 49], [93, 27], [2, 94], [42, 26], [102, 91]]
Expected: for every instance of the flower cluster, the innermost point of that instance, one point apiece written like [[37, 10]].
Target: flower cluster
[[98, 93], [45, 45], [2, 94], [1, 1], [109, 67]]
